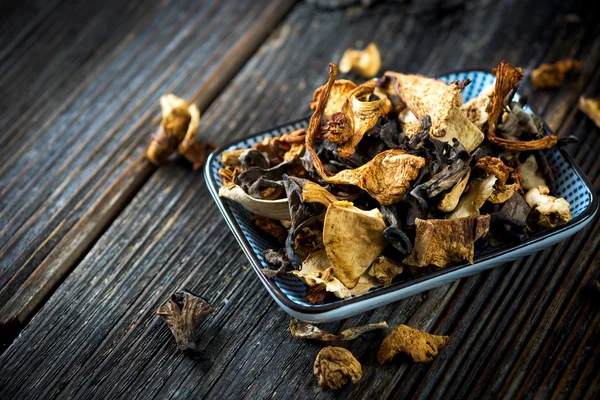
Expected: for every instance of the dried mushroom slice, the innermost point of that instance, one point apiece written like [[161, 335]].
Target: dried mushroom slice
[[450, 200], [591, 108], [340, 91], [365, 62], [183, 313], [353, 239], [480, 190], [507, 78], [477, 109], [316, 271], [553, 75], [357, 117], [548, 211], [311, 332], [494, 166], [276, 209], [336, 367], [232, 157], [442, 102], [442, 241], [386, 177], [531, 176], [420, 346], [385, 270], [315, 193]]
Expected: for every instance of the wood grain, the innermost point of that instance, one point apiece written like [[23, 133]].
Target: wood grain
[[31, 272], [525, 329]]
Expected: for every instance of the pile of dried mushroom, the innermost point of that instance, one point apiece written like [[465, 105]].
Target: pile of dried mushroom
[[394, 177]]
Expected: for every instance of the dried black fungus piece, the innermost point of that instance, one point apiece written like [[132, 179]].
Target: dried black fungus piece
[[311, 332], [279, 259], [183, 314]]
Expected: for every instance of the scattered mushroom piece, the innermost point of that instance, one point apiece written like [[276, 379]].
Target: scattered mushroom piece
[[442, 102], [335, 367], [183, 313], [385, 270], [591, 108], [365, 62], [480, 190], [549, 211], [276, 209], [353, 239], [442, 241], [553, 75], [420, 346], [451, 199], [358, 115], [308, 331]]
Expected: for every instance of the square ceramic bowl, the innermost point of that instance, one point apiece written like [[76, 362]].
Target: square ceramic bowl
[[289, 292]]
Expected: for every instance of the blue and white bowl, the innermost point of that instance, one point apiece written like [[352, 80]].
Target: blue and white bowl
[[289, 292]]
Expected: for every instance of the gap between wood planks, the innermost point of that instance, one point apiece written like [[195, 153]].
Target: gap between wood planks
[[17, 312]]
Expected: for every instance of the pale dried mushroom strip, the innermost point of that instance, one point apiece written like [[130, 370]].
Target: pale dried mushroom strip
[[418, 345], [442, 241], [315, 193], [591, 108], [450, 200], [386, 177], [311, 332], [365, 62], [548, 211], [276, 209], [336, 367]]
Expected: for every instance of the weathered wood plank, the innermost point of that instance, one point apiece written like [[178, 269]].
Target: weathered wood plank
[[98, 334], [60, 223]]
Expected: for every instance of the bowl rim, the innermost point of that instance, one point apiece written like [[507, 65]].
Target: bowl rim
[[500, 251]]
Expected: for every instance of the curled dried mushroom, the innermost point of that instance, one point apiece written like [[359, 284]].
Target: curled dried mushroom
[[420, 346], [183, 313], [311, 332], [275, 209], [549, 211], [336, 367], [366, 63]]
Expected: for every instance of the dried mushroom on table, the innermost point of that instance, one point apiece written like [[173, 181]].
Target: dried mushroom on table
[[397, 177]]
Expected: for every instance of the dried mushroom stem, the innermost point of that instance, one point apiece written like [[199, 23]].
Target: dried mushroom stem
[[336, 367], [418, 345], [183, 313], [311, 332]]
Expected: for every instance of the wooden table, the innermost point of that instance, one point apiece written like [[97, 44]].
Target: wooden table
[[93, 239]]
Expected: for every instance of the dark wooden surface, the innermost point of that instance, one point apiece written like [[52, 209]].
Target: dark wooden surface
[[93, 240]]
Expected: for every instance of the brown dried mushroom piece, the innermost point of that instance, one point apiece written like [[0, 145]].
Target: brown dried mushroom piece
[[315, 193], [353, 239], [228, 175], [553, 75], [317, 273], [386, 177], [442, 241], [365, 62], [271, 227], [442, 102], [548, 211], [477, 109], [507, 78], [308, 331], [418, 345], [335, 367], [385, 270], [495, 166], [340, 91], [358, 115], [591, 108], [183, 313], [232, 157]]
